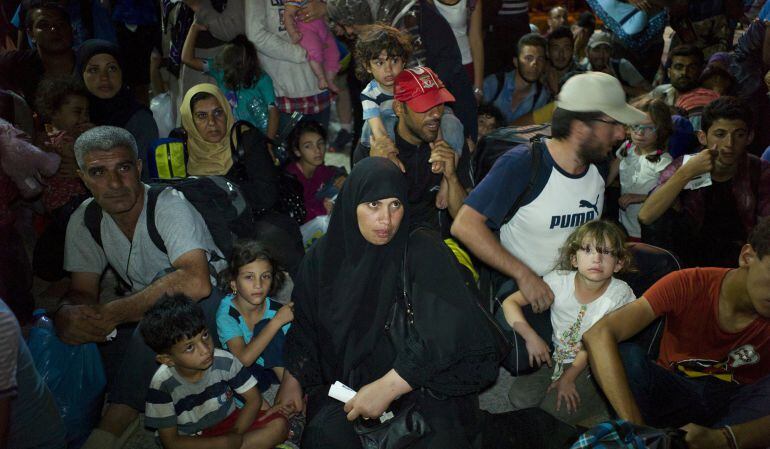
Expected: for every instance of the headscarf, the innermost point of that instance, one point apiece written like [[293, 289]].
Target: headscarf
[[206, 158], [115, 111]]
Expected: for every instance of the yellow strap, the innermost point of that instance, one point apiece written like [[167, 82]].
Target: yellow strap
[[462, 257]]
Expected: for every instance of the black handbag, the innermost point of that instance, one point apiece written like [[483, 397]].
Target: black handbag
[[402, 424]]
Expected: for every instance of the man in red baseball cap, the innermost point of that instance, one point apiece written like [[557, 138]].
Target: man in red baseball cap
[[418, 149]]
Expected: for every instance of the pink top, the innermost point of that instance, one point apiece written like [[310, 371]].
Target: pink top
[[310, 187]]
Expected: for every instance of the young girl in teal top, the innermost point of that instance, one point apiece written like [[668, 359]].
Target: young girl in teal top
[[251, 325], [238, 75]]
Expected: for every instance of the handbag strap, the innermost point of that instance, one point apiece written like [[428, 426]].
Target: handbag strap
[[404, 284]]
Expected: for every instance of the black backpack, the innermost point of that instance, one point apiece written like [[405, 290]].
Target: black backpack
[[219, 201]]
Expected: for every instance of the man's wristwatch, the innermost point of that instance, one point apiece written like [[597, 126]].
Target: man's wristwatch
[[477, 91]]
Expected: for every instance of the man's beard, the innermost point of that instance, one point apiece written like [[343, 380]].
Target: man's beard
[[591, 151], [684, 85]]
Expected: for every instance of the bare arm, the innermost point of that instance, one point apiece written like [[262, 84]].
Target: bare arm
[[537, 348], [749, 435], [445, 157], [249, 353], [252, 403], [190, 278], [470, 227], [578, 365], [289, 16], [601, 342], [377, 127], [78, 319], [614, 170], [172, 440], [272, 121], [664, 197], [188, 49], [476, 39]]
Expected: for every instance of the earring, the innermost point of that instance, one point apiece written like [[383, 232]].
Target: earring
[[235, 292]]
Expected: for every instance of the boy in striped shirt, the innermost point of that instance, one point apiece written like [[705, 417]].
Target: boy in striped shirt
[[191, 400]]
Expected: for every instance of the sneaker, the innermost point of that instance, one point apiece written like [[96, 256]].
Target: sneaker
[[341, 140]]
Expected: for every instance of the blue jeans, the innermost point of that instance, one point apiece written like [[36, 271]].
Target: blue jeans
[[666, 398], [451, 129]]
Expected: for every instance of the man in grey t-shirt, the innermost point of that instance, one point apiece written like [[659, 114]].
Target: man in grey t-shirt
[[109, 167]]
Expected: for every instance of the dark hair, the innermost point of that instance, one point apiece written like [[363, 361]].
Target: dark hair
[[686, 50], [200, 96], [560, 33], [373, 40], [713, 70], [44, 5], [53, 92], [171, 320], [246, 252], [305, 126], [492, 111], [759, 239], [727, 108], [660, 114], [586, 20], [240, 63], [599, 231], [562, 121], [532, 40]]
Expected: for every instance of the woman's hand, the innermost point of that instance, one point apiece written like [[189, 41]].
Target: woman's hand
[[566, 392], [285, 314], [538, 351], [373, 399], [313, 9]]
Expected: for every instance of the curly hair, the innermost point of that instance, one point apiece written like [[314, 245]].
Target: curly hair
[[596, 231], [240, 63], [373, 40], [246, 252], [54, 92], [171, 320]]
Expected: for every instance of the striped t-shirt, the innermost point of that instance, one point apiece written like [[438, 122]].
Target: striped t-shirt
[[513, 7], [172, 401]]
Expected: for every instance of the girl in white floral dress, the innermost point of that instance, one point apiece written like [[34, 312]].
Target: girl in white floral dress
[[584, 290]]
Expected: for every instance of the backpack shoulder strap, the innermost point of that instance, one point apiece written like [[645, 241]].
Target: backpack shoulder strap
[[536, 152], [93, 221], [152, 229]]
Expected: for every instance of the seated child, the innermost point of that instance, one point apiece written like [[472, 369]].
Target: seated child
[[316, 38], [249, 323], [192, 395], [490, 118], [585, 290], [238, 75], [640, 161], [63, 105]]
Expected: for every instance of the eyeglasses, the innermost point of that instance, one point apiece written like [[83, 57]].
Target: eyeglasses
[[605, 252], [643, 129], [609, 122], [217, 114]]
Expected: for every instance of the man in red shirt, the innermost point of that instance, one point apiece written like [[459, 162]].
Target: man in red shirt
[[714, 364]]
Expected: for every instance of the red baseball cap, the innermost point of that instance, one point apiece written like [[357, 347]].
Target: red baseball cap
[[421, 89]]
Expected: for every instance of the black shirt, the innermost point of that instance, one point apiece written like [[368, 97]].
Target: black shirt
[[21, 71], [722, 234]]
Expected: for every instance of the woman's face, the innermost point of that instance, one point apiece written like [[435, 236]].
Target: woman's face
[[210, 120], [379, 220], [312, 149], [102, 76]]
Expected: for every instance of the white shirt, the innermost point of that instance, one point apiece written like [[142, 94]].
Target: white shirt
[[637, 175]]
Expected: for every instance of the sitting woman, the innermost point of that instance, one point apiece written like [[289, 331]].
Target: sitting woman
[[320, 183], [110, 101], [344, 296], [207, 119]]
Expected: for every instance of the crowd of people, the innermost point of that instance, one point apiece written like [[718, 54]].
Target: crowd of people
[[613, 254]]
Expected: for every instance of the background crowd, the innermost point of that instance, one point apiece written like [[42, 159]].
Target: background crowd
[[228, 197]]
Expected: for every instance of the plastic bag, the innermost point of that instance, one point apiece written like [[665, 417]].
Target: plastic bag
[[75, 376], [163, 112], [314, 230], [23, 162]]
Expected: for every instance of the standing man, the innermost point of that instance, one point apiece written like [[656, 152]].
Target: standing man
[[568, 188]]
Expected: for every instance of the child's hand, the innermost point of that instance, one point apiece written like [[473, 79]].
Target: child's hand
[[567, 392], [295, 37], [538, 351], [285, 314], [328, 205]]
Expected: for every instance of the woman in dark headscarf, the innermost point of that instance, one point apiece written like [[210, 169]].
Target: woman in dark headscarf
[[111, 102], [344, 292]]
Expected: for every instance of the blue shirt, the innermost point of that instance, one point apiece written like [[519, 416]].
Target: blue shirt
[[230, 322], [250, 104], [558, 203], [537, 97]]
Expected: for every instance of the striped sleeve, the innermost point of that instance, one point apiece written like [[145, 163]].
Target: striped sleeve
[[241, 379], [159, 410], [9, 351]]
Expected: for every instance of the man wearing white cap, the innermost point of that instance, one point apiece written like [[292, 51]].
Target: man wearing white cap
[[568, 189], [600, 60]]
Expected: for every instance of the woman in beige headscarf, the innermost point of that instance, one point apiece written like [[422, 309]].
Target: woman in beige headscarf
[[207, 118]]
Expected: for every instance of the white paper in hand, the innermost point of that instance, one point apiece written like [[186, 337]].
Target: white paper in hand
[[341, 392], [697, 182]]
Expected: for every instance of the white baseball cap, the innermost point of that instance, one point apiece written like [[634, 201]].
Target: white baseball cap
[[598, 92]]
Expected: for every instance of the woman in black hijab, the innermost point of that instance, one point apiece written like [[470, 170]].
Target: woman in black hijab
[[346, 287], [110, 101]]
